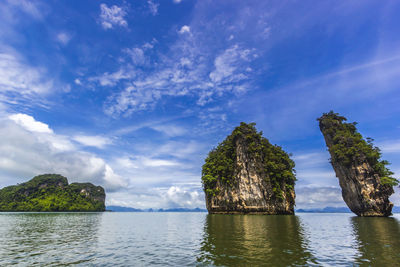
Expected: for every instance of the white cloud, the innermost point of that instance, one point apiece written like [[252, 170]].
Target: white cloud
[[184, 29], [186, 62], [153, 7], [29, 7], [181, 150], [63, 38], [112, 16], [149, 162], [227, 63], [319, 197], [166, 163], [77, 81], [29, 147], [144, 162], [148, 45], [19, 81], [189, 74], [177, 1], [184, 195], [177, 197], [29, 123], [111, 79], [313, 168], [94, 141], [170, 130], [311, 159], [137, 55]]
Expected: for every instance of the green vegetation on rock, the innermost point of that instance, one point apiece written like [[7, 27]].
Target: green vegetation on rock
[[51, 192], [273, 163], [349, 146]]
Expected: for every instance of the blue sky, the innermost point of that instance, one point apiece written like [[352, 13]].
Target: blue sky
[[132, 95]]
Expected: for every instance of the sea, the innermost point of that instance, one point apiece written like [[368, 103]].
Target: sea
[[197, 239]]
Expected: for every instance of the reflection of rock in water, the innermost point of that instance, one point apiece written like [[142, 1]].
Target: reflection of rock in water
[[50, 238], [379, 241], [254, 240]]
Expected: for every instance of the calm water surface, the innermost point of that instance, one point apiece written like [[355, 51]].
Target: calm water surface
[[180, 239]]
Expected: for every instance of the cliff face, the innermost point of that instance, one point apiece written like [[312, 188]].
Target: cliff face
[[365, 181], [246, 174], [51, 192]]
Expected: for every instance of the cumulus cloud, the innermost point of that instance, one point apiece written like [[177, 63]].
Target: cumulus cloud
[[29, 123], [174, 196], [29, 147], [184, 29], [112, 16], [177, 197], [319, 197]]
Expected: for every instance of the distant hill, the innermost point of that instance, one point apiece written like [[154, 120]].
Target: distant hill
[[122, 209], [182, 210], [322, 210], [128, 209], [337, 210], [326, 210], [51, 192]]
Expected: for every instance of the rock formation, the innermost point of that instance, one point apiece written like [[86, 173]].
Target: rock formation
[[51, 192], [365, 181], [246, 174]]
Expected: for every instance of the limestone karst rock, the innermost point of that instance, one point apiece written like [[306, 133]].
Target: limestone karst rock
[[51, 192], [247, 174], [365, 181]]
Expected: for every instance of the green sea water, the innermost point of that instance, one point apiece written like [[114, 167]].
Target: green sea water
[[197, 239]]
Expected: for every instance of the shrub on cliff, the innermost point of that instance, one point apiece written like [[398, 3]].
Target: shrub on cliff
[[349, 146]]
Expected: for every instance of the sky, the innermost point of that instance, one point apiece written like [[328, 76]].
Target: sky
[[132, 95]]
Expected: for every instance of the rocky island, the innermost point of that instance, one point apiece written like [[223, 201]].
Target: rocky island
[[51, 192], [247, 174], [365, 180]]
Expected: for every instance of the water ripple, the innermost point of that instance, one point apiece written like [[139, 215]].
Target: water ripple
[[190, 239]]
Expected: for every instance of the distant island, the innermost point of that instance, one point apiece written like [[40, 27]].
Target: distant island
[[129, 209], [302, 210], [325, 210], [51, 192]]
